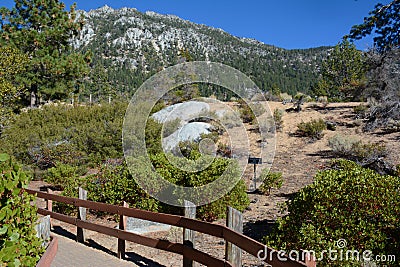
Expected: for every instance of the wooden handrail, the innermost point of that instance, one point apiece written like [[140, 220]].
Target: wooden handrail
[[247, 244], [177, 248]]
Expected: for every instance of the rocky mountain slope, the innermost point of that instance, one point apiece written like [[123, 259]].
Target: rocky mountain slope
[[129, 46]]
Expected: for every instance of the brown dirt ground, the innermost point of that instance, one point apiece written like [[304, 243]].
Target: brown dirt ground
[[297, 158]]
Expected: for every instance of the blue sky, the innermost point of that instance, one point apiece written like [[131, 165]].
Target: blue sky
[[284, 23]]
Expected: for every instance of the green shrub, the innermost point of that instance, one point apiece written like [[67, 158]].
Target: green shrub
[[18, 242], [224, 150], [63, 175], [270, 180], [230, 120], [312, 129], [112, 185], [246, 114], [347, 202], [249, 112], [66, 134], [392, 126], [68, 179], [158, 106], [47, 156], [236, 198], [360, 111], [278, 114], [170, 127], [354, 149], [115, 184]]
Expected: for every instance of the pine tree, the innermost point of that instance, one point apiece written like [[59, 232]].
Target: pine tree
[[42, 29], [343, 73], [384, 22], [12, 64]]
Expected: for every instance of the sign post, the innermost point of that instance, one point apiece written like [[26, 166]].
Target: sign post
[[254, 161]]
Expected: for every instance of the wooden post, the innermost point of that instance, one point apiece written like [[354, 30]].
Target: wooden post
[[81, 216], [49, 204], [234, 221], [188, 235], [43, 229], [121, 242]]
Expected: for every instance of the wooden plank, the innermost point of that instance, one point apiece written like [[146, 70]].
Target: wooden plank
[[188, 235], [179, 221], [50, 253], [204, 258], [81, 216], [234, 221], [58, 216], [121, 242], [63, 199]]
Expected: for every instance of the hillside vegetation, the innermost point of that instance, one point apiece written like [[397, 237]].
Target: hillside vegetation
[[131, 46]]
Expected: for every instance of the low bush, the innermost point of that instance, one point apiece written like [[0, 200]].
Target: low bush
[[47, 156], [270, 180], [312, 129], [278, 114], [63, 174], [392, 126], [354, 149], [250, 112], [18, 242], [170, 127], [112, 184], [224, 150], [67, 134], [347, 202], [115, 184], [360, 111], [230, 120], [246, 113], [236, 198]]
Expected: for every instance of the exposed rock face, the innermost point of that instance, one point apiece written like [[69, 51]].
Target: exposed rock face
[[183, 111], [188, 131], [127, 42]]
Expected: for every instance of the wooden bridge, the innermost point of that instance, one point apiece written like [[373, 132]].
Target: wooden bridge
[[235, 240]]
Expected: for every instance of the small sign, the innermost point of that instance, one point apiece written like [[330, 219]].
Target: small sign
[[255, 160]]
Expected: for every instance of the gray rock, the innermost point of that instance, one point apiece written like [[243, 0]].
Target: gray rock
[[189, 132], [183, 111]]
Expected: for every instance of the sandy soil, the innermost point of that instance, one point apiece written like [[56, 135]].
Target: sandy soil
[[297, 158]]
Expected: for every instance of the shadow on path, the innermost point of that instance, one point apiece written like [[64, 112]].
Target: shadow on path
[[141, 261], [65, 233], [129, 256]]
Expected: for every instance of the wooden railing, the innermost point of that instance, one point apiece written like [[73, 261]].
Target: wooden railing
[[245, 243]]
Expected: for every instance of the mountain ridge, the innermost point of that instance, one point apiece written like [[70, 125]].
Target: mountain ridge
[[131, 46]]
